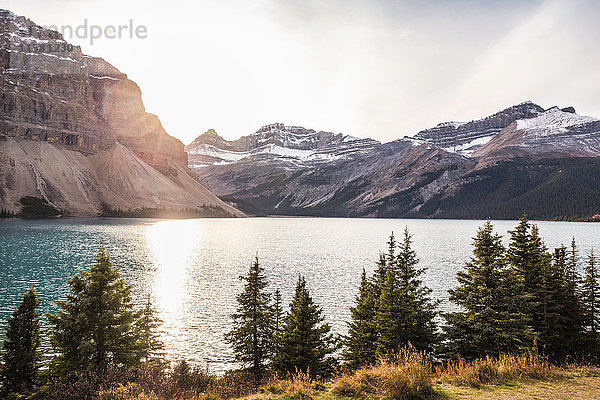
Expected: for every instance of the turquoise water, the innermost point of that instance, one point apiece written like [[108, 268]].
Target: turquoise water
[[191, 268]]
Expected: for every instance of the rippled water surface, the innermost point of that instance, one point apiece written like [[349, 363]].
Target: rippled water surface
[[191, 268]]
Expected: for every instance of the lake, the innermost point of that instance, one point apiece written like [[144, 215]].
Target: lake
[[191, 268]]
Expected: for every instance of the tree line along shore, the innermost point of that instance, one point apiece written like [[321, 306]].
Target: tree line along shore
[[522, 311]]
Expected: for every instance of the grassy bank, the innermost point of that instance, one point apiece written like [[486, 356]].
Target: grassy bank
[[411, 375]]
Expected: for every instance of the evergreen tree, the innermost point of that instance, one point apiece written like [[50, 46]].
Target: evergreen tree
[[361, 340], [393, 309], [571, 274], [491, 321], [277, 311], [528, 259], [305, 343], [405, 312], [422, 329], [147, 327], [94, 326], [563, 316], [253, 327], [552, 337], [278, 316], [20, 355], [590, 294], [574, 319], [385, 263], [392, 315]]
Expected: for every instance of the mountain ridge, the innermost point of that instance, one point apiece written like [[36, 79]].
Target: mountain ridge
[[406, 177], [293, 143], [74, 132]]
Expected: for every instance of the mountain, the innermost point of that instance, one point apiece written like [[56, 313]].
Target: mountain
[[546, 166], [554, 132], [74, 133], [522, 159], [278, 166], [466, 137], [293, 145]]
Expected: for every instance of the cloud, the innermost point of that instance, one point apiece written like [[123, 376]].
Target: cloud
[[541, 59]]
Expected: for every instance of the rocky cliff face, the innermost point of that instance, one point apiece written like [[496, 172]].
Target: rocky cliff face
[[555, 132], [452, 170], [290, 137], [294, 146], [466, 137], [72, 127]]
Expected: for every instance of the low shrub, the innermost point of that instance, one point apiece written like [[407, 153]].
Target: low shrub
[[408, 376], [148, 383]]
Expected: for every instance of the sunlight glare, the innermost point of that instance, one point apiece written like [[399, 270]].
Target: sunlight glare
[[172, 245]]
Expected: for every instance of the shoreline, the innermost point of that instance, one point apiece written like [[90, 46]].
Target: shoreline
[[72, 217]]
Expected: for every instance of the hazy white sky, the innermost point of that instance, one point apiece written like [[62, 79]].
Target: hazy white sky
[[370, 68]]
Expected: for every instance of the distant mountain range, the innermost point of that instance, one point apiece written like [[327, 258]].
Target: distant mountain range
[[75, 138], [523, 159]]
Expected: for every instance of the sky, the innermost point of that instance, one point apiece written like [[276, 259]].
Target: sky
[[370, 68]]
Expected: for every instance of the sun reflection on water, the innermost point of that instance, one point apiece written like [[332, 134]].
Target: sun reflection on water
[[172, 244]]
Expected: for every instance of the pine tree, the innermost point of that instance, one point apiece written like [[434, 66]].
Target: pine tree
[[590, 295], [392, 316], [277, 311], [361, 340], [552, 337], [94, 326], [393, 309], [422, 329], [20, 355], [385, 263], [405, 312], [147, 327], [528, 258], [491, 321], [574, 319], [253, 328], [571, 274], [305, 343], [278, 316]]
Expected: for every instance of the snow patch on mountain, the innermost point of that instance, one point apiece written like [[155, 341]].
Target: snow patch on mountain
[[452, 124], [224, 157], [465, 138], [468, 148], [553, 121], [555, 132]]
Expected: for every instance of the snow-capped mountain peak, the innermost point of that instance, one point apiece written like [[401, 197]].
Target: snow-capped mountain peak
[[466, 137], [294, 145], [439, 172], [554, 132], [553, 120]]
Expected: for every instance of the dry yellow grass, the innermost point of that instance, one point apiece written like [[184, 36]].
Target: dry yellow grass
[[409, 376], [297, 386], [503, 370]]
